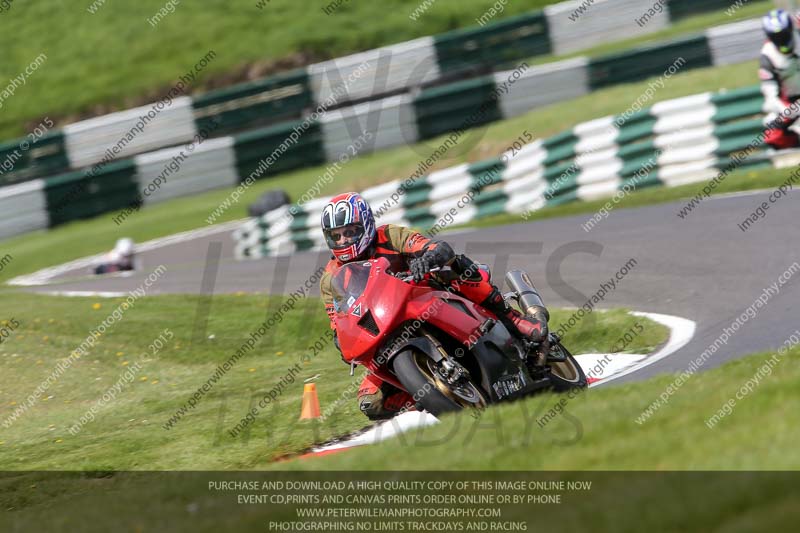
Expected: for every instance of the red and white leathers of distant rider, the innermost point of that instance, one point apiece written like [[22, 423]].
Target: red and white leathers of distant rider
[[780, 83]]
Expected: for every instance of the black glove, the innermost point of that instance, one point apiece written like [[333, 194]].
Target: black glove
[[420, 266], [437, 256]]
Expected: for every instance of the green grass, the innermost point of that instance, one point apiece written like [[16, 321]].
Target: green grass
[[598, 430], [114, 58], [128, 434], [78, 239]]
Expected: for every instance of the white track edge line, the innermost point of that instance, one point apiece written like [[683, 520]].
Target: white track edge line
[[41, 277], [681, 331]]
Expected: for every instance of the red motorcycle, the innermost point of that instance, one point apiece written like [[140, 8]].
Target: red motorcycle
[[444, 350]]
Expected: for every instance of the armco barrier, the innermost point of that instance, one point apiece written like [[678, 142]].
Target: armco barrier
[[481, 49], [80, 194], [46, 155], [249, 105], [649, 61], [23, 208], [735, 43], [368, 127], [130, 132], [255, 149], [461, 105], [174, 173], [373, 74], [603, 21], [675, 142], [680, 9], [543, 85], [157, 176]]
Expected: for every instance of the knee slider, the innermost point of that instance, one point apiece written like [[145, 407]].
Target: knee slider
[[372, 406]]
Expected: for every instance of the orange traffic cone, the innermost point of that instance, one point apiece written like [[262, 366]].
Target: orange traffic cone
[[310, 408]]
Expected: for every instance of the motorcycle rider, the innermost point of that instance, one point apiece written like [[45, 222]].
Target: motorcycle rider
[[351, 234], [779, 72], [120, 259]]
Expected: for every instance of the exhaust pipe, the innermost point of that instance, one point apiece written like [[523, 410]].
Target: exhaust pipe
[[529, 299]]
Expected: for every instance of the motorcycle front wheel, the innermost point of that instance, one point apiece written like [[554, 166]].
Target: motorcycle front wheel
[[420, 377]]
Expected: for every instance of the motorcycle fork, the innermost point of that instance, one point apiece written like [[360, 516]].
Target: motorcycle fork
[[436, 344], [455, 370]]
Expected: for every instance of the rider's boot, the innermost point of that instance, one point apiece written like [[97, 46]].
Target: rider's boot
[[532, 326], [474, 283], [379, 400]]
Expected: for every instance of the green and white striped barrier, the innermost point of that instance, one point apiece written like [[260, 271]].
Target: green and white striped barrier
[[675, 142], [602, 21]]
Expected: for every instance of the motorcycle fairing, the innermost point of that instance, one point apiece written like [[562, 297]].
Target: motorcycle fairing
[[504, 373], [380, 304]]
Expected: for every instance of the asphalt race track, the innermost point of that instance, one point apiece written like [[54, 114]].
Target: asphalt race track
[[703, 268]]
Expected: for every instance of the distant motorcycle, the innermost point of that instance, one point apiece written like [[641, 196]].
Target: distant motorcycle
[[444, 350], [121, 259], [109, 268]]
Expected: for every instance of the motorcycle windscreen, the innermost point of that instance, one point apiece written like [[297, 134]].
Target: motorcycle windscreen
[[348, 284]]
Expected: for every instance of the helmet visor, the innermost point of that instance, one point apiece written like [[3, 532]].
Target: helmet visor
[[783, 39], [344, 236]]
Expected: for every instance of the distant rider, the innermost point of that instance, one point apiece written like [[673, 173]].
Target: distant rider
[[779, 71], [120, 259], [351, 234]]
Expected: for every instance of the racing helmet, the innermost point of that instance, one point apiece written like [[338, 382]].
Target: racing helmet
[[348, 226], [124, 248], [779, 27]]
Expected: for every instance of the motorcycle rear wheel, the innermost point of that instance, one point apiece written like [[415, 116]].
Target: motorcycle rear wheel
[[417, 372], [568, 374]]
